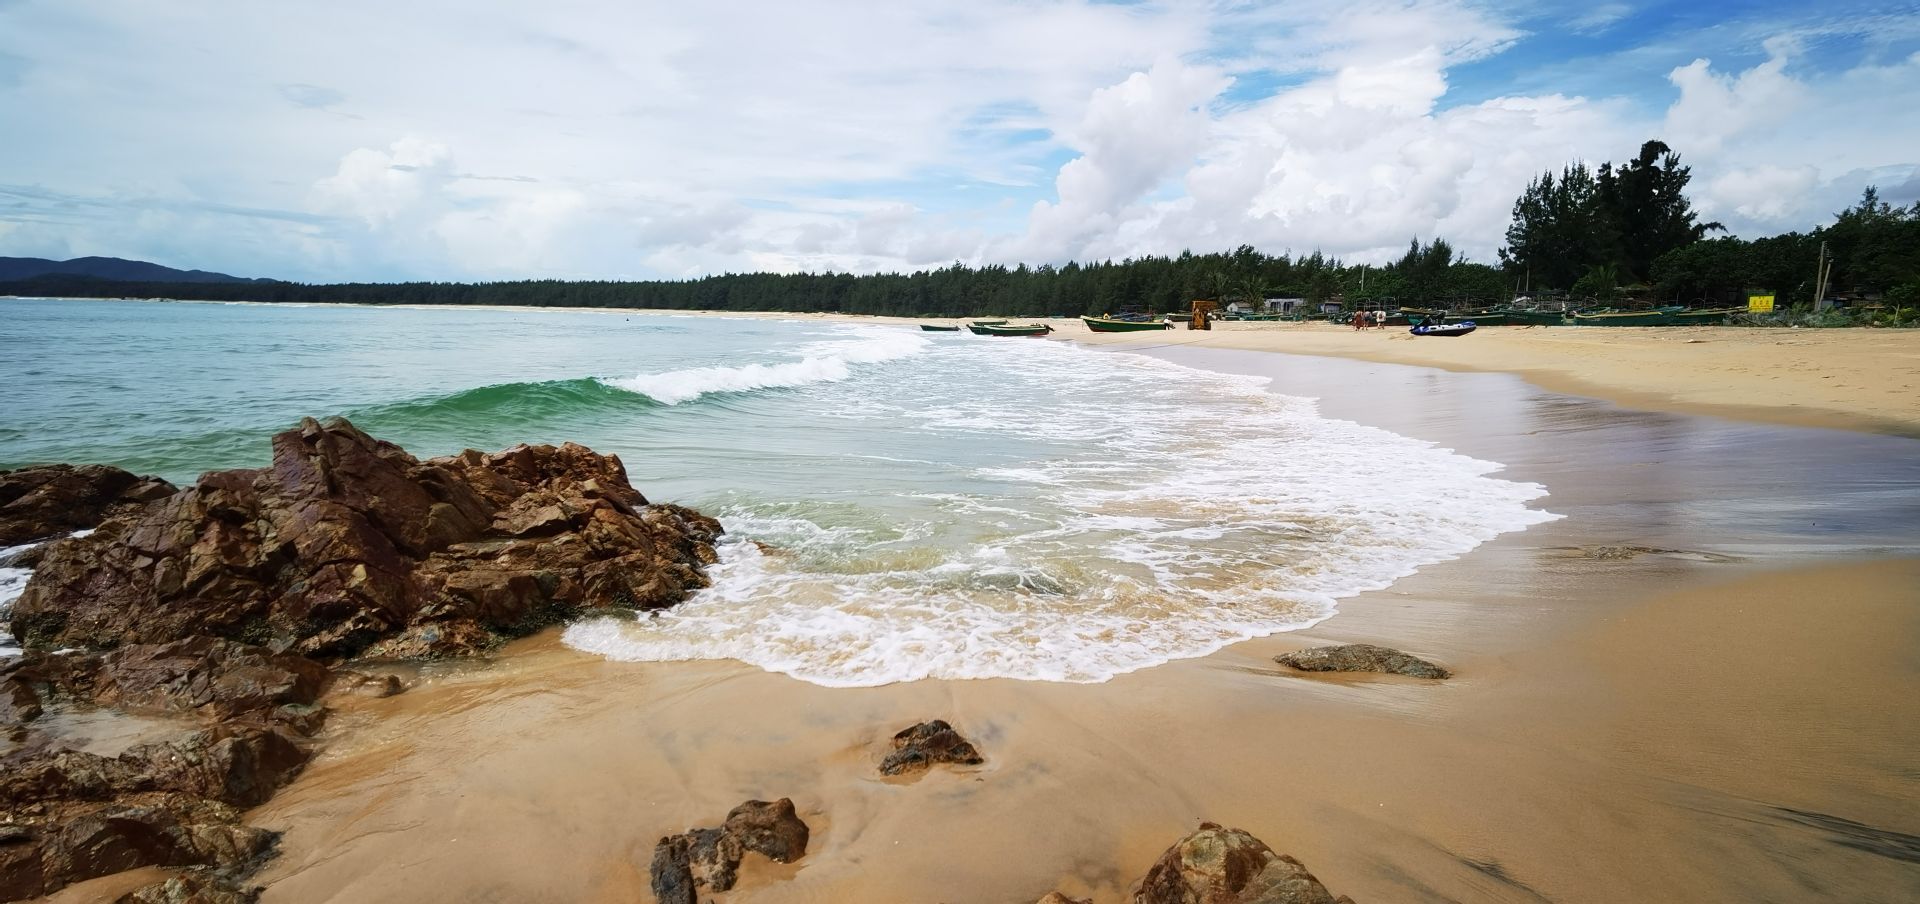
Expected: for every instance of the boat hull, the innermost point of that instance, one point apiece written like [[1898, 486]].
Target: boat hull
[[1453, 329], [1103, 325], [1704, 317], [1537, 318], [932, 328], [1032, 329], [1632, 318]]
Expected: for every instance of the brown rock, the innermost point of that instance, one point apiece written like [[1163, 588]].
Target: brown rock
[[362, 684], [1361, 657], [37, 503], [773, 829], [711, 857], [1215, 865], [92, 840], [214, 678], [927, 743], [346, 541], [191, 888], [1058, 898]]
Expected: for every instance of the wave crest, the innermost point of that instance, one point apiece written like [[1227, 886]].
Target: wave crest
[[821, 362]]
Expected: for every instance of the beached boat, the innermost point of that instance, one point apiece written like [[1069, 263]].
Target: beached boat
[[1010, 329], [1704, 317], [1536, 318], [1487, 318], [989, 322], [1625, 318], [938, 328], [1452, 329], [1110, 325]]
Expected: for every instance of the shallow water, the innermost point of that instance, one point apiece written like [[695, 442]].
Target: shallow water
[[931, 505]]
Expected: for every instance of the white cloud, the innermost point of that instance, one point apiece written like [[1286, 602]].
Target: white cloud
[[487, 139]]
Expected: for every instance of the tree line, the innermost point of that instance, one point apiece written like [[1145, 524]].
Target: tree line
[[1604, 235]]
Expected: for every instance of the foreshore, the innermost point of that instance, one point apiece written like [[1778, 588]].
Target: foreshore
[[1696, 686]]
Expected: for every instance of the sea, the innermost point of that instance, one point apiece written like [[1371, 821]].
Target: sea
[[899, 505]]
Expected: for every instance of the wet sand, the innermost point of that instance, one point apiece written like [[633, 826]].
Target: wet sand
[[1699, 686]]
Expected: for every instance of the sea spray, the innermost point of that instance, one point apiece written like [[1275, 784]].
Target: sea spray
[[822, 362], [1155, 512]]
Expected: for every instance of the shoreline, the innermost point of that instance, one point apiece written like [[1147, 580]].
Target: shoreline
[[1859, 379], [1585, 717]]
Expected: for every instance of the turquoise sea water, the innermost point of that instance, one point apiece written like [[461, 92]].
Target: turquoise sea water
[[935, 505]]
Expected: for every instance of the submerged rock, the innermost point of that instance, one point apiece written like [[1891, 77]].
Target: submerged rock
[[348, 545], [1216, 865], [922, 745], [711, 857], [1361, 657], [38, 503]]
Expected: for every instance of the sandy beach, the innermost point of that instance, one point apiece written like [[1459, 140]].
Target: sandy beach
[[1849, 379], [1696, 686]]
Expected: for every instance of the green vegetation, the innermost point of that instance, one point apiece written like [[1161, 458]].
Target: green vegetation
[[1875, 249], [1607, 235]]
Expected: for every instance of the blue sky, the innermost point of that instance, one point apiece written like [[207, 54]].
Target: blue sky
[[494, 140]]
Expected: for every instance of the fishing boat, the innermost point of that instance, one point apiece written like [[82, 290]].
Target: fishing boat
[[1536, 318], [1452, 329], [1487, 318], [1625, 318], [1704, 317], [1111, 325], [989, 323], [939, 328], [1004, 328]]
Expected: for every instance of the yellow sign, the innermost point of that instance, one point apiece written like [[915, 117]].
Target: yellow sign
[[1759, 304]]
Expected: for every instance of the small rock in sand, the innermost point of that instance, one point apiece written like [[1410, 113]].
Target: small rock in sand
[[711, 857], [1217, 865], [1361, 657], [927, 743]]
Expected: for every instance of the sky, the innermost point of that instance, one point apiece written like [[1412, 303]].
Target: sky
[[338, 140]]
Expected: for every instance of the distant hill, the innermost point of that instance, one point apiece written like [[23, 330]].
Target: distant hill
[[23, 268]]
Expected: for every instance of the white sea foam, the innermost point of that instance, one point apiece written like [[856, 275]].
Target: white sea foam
[[13, 582], [1164, 512], [821, 362]]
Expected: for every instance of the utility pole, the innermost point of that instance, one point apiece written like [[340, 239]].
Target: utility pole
[[1820, 271]]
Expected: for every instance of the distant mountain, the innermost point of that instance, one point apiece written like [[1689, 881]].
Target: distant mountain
[[22, 268]]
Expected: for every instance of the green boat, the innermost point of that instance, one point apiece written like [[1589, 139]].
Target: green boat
[[989, 323], [1484, 318], [1705, 317], [1109, 325], [937, 328], [1010, 329], [1625, 318], [1536, 318]]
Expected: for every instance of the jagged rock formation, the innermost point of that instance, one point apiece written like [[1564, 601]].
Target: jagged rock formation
[[710, 858], [922, 745], [1361, 657], [220, 606], [37, 503], [348, 545]]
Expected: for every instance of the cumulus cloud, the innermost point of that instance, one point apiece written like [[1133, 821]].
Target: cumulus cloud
[[486, 139]]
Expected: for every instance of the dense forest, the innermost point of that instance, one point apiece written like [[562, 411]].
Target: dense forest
[[1610, 235]]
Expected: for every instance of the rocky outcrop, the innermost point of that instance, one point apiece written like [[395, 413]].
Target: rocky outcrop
[[1216, 865], [220, 607], [70, 815], [918, 747], [37, 503], [1361, 657], [192, 888], [1058, 898], [348, 545], [710, 858]]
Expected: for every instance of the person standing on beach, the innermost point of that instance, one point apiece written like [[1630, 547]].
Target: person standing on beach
[[1359, 320], [1380, 319]]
